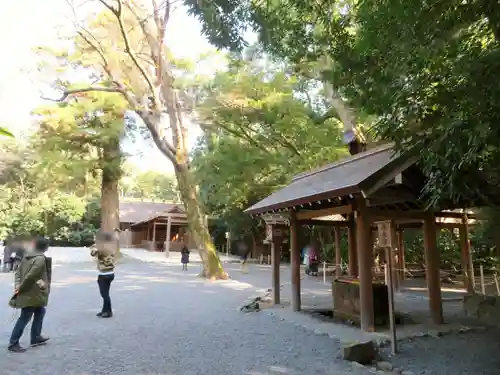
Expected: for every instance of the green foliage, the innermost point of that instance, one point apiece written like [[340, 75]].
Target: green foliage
[[83, 136], [426, 71], [6, 133], [432, 69], [60, 217], [260, 130], [148, 186]]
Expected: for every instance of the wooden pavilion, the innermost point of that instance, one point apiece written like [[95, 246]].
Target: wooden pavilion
[[355, 193], [155, 226]]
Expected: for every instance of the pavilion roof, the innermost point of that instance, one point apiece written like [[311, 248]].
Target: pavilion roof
[[346, 177]]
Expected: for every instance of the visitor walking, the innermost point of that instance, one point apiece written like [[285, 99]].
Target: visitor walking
[[104, 253], [244, 252], [185, 258], [31, 294]]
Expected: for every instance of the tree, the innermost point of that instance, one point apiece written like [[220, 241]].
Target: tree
[[82, 137], [124, 51], [35, 203], [312, 35], [268, 128], [424, 70], [432, 68]]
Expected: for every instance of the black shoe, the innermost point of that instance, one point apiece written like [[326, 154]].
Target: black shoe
[[40, 340], [98, 314], [16, 348], [106, 315]]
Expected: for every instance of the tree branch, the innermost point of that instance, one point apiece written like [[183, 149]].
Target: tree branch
[[163, 145], [117, 12], [70, 92]]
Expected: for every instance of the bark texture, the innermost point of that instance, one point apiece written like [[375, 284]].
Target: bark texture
[[212, 267]]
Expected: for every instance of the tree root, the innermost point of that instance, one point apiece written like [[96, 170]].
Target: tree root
[[218, 276]]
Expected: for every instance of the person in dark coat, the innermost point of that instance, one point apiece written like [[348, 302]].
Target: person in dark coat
[[185, 257], [31, 295]]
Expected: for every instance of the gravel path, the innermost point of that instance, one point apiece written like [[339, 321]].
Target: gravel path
[[474, 353], [166, 322]]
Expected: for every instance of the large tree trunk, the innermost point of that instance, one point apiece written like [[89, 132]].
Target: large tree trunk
[[212, 267], [110, 206]]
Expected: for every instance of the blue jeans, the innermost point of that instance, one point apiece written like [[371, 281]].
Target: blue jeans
[[38, 314]]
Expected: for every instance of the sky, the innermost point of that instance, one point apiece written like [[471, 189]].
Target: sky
[[29, 23]]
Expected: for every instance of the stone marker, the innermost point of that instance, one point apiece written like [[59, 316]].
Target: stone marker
[[361, 352]]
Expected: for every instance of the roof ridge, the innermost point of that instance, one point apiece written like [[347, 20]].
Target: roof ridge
[[347, 160], [152, 202]]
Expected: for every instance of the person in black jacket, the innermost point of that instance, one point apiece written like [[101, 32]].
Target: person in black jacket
[[185, 257]]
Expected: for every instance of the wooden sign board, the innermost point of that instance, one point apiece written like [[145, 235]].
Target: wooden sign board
[[384, 233]]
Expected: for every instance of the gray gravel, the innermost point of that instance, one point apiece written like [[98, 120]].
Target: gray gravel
[[473, 353], [166, 322]]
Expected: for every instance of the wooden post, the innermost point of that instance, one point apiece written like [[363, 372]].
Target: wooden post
[[394, 255], [401, 255], [432, 269], [295, 260], [154, 236], [338, 255], [467, 254], [167, 240], [352, 239], [365, 263], [496, 283], [464, 244], [481, 275], [390, 257], [275, 261]]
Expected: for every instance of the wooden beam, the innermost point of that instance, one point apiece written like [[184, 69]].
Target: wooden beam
[[390, 196], [381, 214], [326, 223], [311, 214], [454, 215]]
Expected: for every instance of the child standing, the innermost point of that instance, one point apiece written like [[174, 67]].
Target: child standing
[[184, 257]]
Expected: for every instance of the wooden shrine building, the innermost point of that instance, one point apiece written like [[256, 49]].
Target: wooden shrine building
[[355, 193], [154, 226]]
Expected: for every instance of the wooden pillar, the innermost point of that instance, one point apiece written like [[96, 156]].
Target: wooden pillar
[[275, 265], [432, 269], [154, 236], [365, 263], [351, 239], [167, 240], [467, 265], [338, 255], [394, 256], [295, 260], [401, 255]]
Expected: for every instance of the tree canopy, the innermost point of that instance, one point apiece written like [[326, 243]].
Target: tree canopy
[[424, 71]]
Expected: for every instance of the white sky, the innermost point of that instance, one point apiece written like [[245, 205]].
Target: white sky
[[26, 24]]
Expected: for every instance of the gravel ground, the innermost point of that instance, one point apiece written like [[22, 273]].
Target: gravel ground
[[166, 322], [473, 353]]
